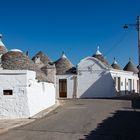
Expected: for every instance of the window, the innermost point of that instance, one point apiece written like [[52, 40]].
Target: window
[[133, 85], [137, 86], [117, 82], [129, 84], [7, 92]]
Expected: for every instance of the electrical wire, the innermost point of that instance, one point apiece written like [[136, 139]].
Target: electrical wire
[[117, 43]]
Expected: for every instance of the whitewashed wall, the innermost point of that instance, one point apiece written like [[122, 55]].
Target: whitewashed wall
[[70, 84], [94, 79], [40, 96], [29, 97], [16, 105], [124, 76]]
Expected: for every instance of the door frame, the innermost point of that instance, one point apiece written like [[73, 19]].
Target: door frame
[[62, 88]]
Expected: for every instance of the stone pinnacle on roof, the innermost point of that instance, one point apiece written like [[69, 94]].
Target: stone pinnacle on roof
[[64, 65], [1, 43], [131, 67], [98, 55], [2, 46], [115, 65], [98, 51], [115, 62], [63, 55]]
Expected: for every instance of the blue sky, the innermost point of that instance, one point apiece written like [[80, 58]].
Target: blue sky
[[76, 27]]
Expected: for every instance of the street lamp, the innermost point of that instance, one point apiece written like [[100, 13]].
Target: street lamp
[[137, 25]]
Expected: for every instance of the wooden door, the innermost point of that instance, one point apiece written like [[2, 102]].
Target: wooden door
[[62, 88]]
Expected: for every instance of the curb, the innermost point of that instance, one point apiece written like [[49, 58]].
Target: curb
[[46, 111]]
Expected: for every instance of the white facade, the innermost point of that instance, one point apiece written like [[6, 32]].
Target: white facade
[[96, 80], [125, 82], [21, 96], [71, 85]]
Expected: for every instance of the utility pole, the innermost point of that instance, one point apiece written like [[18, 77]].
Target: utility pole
[[138, 28], [137, 25]]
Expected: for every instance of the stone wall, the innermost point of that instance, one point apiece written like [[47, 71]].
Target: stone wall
[[16, 105], [28, 95]]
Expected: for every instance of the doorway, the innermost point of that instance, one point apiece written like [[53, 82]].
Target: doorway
[[62, 88], [129, 85]]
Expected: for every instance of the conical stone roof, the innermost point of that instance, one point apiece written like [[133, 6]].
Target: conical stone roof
[[63, 65], [130, 67], [100, 57], [16, 60], [50, 71], [2, 46], [115, 65], [43, 57]]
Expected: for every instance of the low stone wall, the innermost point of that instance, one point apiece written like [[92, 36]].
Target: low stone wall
[[40, 96], [22, 96]]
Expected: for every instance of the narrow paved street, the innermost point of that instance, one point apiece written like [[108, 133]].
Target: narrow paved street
[[90, 119]]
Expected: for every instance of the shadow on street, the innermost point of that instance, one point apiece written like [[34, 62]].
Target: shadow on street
[[122, 125], [135, 103]]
